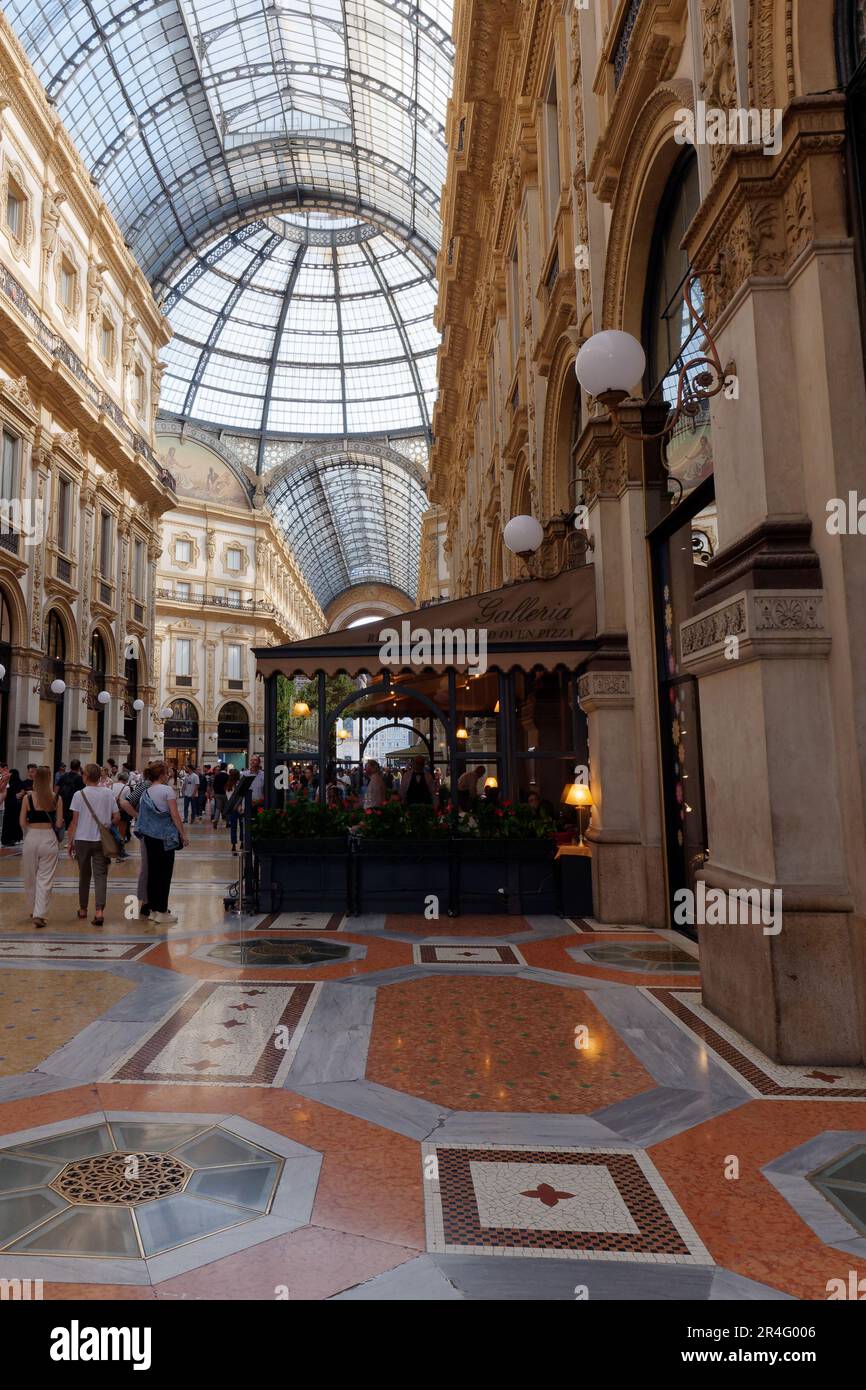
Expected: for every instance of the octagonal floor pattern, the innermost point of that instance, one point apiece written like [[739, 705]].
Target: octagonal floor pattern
[[386, 1108]]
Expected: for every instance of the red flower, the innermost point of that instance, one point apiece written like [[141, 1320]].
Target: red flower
[[500, 814]]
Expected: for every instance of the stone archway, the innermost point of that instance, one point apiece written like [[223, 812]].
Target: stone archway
[[361, 600]]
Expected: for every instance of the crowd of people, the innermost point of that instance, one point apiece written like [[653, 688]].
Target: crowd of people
[[97, 810]]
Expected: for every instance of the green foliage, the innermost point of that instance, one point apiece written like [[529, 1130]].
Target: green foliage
[[298, 735], [301, 820], [307, 819]]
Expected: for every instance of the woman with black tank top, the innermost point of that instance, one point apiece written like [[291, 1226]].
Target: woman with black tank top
[[41, 812]]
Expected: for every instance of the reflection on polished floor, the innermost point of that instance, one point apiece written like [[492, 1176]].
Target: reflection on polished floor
[[390, 1108]]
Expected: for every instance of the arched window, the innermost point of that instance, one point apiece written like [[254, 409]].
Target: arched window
[[851, 60], [233, 713], [55, 637], [97, 655], [671, 338], [183, 709], [5, 621], [6, 663]]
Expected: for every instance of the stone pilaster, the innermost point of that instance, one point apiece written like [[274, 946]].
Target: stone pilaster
[[773, 823]]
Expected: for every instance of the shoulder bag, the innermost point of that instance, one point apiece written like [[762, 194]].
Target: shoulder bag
[[107, 838]]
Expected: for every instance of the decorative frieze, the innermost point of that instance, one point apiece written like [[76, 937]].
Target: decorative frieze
[[755, 625], [604, 690]]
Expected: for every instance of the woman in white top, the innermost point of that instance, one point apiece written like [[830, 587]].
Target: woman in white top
[[376, 793], [41, 812], [91, 807]]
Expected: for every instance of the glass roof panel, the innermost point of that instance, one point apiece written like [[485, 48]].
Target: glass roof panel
[[320, 342], [275, 166], [197, 113]]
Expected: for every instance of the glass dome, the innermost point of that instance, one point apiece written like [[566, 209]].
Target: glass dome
[[306, 325]]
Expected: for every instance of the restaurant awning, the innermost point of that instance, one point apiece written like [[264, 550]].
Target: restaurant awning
[[539, 622]]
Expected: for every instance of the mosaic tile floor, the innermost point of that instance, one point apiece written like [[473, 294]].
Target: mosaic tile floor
[[393, 1108]]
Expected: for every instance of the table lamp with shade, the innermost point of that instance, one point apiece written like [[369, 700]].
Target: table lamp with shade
[[578, 794]]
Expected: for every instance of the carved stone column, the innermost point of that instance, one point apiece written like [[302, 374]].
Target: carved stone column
[[774, 823], [619, 885], [786, 787]]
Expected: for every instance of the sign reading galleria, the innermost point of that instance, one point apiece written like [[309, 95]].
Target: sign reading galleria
[[535, 621]]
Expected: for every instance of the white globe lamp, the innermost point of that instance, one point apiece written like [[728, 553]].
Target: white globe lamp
[[165, 712], [138, 705], [609, 365], [103, 697], [58, 687], [2, 672], [523, 535]]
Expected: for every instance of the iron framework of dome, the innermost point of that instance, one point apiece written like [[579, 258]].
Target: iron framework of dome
[[275, 166], [352, 518], [303, 326], [198, 114]]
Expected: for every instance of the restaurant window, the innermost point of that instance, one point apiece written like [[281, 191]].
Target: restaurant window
[[105, 544], [16, 208], [9, 466], [138, 568], [183, 656], [64, 514]]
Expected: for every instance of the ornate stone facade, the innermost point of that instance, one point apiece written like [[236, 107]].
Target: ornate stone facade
[[83, 466], [564, 134], [225, 581]]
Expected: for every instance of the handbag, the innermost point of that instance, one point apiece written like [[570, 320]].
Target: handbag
[[108, 840]]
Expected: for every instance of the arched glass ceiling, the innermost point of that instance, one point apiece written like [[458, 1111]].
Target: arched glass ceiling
[[303, 325], [199, 114], [351, 519]]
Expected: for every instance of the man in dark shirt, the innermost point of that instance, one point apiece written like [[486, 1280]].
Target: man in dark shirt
[[70, 783], [220, 780]]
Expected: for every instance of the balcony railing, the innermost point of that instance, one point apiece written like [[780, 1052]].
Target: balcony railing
[[59, 348], [242, 605]]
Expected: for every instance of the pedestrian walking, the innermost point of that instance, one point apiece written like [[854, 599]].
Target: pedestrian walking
[[189, 792], [42, 816], [94, 811]]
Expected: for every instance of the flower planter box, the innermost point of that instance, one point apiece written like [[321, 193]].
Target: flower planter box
[[400, 875], [304, 873], [505, 875]]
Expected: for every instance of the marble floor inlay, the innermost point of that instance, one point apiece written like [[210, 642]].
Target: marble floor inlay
[[763, 1076], [590, 1203], [386, 1107], [466, 953], [243, 1034]]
